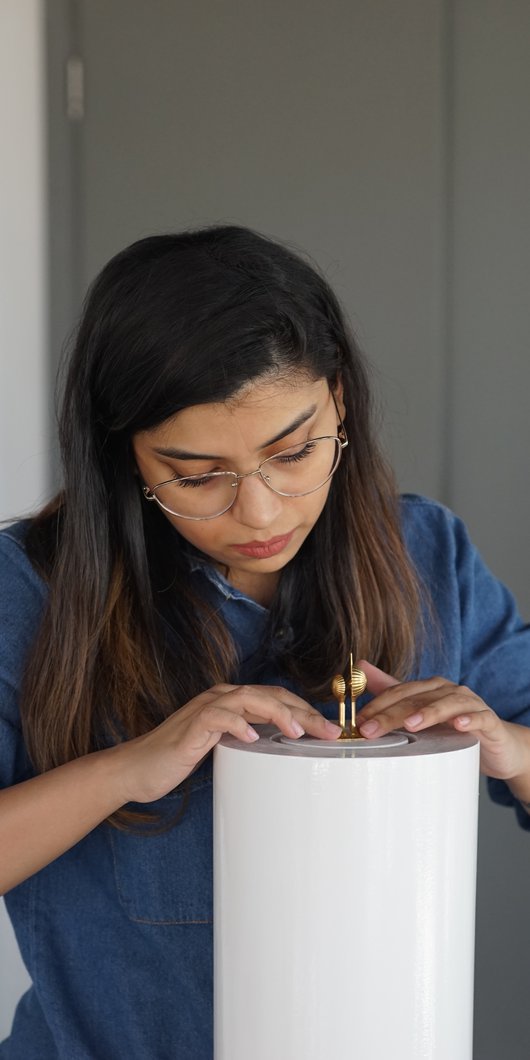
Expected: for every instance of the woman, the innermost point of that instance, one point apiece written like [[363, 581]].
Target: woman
[[227, 533]]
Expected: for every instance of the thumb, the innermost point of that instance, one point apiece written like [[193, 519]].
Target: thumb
[[377, 680]]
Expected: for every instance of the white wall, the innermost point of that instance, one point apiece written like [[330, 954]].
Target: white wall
[[24, 440]]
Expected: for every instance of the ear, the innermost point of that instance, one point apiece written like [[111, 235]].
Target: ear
[[337, 390]]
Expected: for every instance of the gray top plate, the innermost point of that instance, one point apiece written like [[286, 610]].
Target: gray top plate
[[439, 739]]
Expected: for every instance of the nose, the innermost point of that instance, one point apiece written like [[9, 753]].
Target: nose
[[256, 505]]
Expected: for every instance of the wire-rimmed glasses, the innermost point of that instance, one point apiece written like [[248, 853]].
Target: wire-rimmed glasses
[[294, 472]]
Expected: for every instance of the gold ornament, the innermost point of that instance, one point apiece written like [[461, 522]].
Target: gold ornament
[[357, 685]]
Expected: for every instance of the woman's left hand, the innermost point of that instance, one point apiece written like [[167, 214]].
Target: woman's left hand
[[417, 705]]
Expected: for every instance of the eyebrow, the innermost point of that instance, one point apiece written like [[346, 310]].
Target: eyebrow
[[184, 454]]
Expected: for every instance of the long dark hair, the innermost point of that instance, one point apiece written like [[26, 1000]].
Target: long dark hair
[[174, 321]]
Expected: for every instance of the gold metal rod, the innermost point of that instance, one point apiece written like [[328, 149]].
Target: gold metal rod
[[357, 687], [352, 698], [338, 688]]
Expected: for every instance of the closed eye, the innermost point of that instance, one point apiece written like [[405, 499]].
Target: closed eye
[[197, 480], [290, 457]]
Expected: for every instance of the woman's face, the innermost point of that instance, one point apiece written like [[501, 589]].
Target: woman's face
[[262, 530]]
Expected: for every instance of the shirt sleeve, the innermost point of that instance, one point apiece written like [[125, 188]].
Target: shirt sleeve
[[22, 599], [495, 652]]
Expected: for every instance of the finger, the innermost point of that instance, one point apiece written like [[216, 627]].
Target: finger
[[203, 698], [263, 704], [214, 721], [457, 701], [315, 724], [220, 688], [311, 720], [397, 694], [422, 710], [483, 721], [377, 680]]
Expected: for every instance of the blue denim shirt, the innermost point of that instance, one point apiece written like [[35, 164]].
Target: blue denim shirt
[[117, 933]]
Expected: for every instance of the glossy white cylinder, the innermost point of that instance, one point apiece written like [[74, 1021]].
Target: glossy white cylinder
[[344, 887]]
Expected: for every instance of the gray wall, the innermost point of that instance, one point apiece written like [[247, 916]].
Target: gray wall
[[391, 142], [489, 427]]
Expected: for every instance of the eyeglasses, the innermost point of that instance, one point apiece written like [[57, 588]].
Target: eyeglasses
[[294, 472]]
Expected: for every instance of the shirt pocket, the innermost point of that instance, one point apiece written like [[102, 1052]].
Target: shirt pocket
[[167, 878]]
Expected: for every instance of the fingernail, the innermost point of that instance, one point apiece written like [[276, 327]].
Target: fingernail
[[369, 728], [252, 734], [414, 720], [297, 728], [464, 719]]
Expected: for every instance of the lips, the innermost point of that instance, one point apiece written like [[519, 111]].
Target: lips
[[262, 549]]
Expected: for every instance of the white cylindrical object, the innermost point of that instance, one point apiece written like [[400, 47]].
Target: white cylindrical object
[[344, 882]]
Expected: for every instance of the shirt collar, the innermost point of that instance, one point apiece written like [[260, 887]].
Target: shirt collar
[[223, 586]]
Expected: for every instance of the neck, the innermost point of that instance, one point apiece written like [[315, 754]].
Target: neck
[[260, 587]]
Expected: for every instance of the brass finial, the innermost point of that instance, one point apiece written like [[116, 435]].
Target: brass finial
[[338, 688], [357, 685]]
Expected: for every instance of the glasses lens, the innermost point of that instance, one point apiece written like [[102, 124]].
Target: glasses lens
[[302, 468], [198, 497], [294, 472]]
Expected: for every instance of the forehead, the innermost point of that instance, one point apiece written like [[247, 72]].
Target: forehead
[[257, 411]]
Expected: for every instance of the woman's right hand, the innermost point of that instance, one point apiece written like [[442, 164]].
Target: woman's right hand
[[155, 763]]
